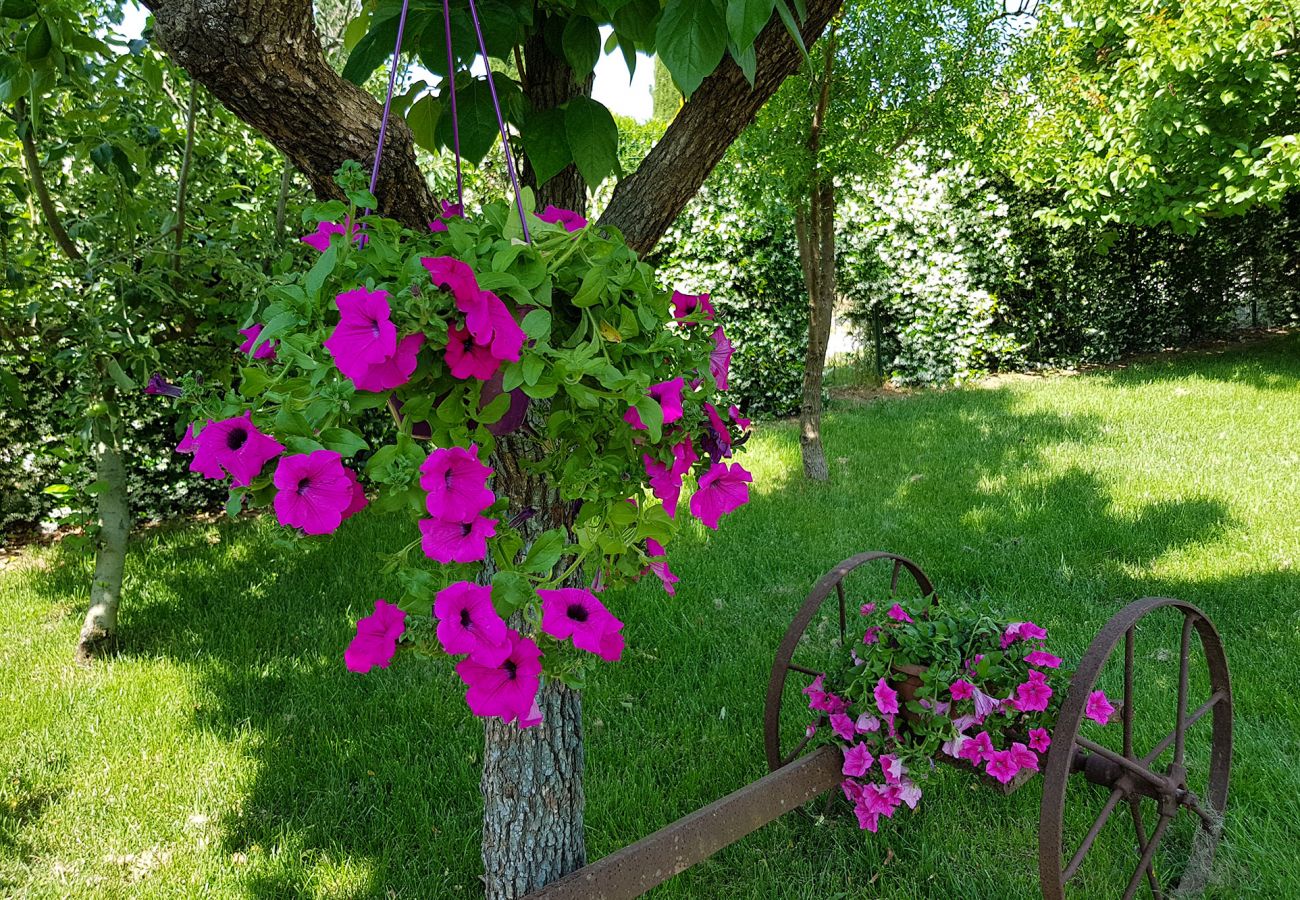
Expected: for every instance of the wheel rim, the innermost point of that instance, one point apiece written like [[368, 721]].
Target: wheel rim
[[1148, 781], [903, 574]]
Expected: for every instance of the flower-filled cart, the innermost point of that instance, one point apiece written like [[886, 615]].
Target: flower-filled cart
[[897, 681]]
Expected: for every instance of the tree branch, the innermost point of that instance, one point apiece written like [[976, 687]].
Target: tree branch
[[263, 60], [647, 201], [25, 127]]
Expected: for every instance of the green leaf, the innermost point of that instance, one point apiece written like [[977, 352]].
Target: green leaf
[[494, 409], [57, 489], [691, 39], [593, 137], [537, 324], [477, 117], [745, 19], [234, 503], [545, 552], [636, 21], [39, 42], [252, 381], [581, 45], [532, 369], [593, 284], [423, 120], [371, 50], [546, 143], [322, 269], [652, 416], [17, 9], [343, 441], [356, 30], [511, 592], [747, 60], [120, 378]]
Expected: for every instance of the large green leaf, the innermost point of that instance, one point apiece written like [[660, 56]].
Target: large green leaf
[[691, 39], [478, 121], [746, 18], [581, 45], [546, 142], [593, 138], [637, 20], [374, 48], [17, 9], [423, 119], [39, 42]]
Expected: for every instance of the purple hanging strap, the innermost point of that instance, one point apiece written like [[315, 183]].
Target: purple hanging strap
[[455, 122], [501, 124], [388, 98]]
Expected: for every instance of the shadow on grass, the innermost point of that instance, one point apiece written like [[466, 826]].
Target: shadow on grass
[[379, 773], [1269, 364]]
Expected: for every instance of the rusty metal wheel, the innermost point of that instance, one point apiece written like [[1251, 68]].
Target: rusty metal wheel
[[1183, 796], [817, 635]]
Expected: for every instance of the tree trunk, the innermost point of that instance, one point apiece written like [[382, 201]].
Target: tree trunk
[[548, 82], [99, 631]]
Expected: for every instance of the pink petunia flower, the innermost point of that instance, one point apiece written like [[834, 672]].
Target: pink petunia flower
[[358, 500], [664, 483], [376, 638], [669, 396], [720, 358], [455, 482], [265, 351], [867, 608], [493, 326], [365, 335], [1098, 708], [842, 725], [723, 489], [466, 358], [569, 219], [320, 238], [233, 445], [741, 422], [985, 705], [312, 491], [893, 768], [977, 749], [867, 723], [1022, 631], [1023, 757], [577, 614], [1044, 659], [898, 614], [453, 275], [188, 441], [1040, 740], [721, 433], [886, 698], [469, 623], [872, 635], [659, 565], [688, 304], [1033, 695], [961, 689], [395, 370], [507, 690], [1002, 765], [857, 759], [449, 211], [449, 541]]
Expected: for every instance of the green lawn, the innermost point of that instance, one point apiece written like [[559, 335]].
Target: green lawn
[[226, 751]]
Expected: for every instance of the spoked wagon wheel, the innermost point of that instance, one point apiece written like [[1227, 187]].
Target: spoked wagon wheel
[[1170, 772], [817, 636]]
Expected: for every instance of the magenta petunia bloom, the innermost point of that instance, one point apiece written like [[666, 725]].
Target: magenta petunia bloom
[[867, 723], [188, 441], [1033, 695], [235, 446], [507, 690], [265, 351], [669, 396], [985, 704], [493, 326], [454, 275], [320, 238], [365, 334], [449, 211], [723, 489], [872, 635], [886, 698], [312, 491], [688, 304], [469, 623], [842, 725], [1098, 708], [898, 614], [867, 608], [721, 433], [1023, 757], [358, 501], [1022, 631], [720, 358], [659, 565], [1044, 659], [893, 768], [975, 750], [456, 484], [160, 385], [961, 689], [456, 542], [1002, 766], [665, 479], [376, 638], [466, 358], [577, 614], [1040, 740], [394, 371], [741, 422], [569, 219]]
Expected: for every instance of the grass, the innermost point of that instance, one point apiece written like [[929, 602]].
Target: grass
[[225, 751]]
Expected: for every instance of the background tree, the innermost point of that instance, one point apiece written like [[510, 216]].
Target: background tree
[[889, 74], [263, 59]]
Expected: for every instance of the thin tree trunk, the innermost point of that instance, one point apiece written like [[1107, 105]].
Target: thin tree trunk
[[183, 181], [37, 179], [99, 630]]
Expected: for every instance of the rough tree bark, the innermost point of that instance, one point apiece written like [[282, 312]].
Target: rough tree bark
[[262, 58], [99, 630], [815, 230]]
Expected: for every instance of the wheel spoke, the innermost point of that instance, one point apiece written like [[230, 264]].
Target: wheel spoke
[[1135, 808], [1134, 766], [1115, 796], [1126, 714], [794, 668], [893, 579], [844, 625], [798, 748], [1191, 720], [1144, 864], [1180, 727], [1192, 802]]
